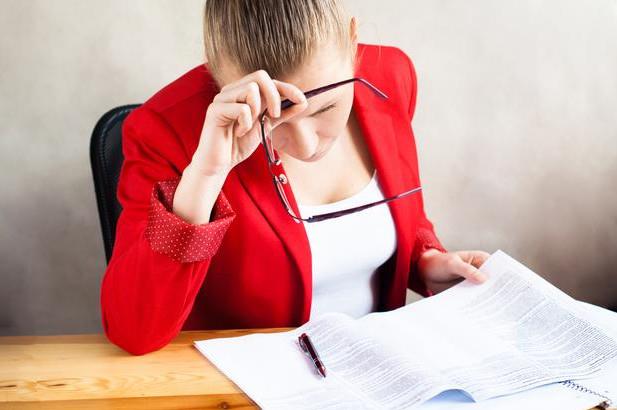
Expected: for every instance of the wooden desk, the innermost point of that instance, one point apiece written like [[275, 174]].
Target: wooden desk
[[88, 372]]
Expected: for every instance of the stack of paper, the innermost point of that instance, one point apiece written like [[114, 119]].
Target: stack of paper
[[511, 334]]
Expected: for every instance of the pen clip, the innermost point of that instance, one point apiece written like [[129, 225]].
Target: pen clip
[[303, 346]]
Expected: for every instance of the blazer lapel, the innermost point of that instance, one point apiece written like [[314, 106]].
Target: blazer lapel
[[378, 127], [256, 179]]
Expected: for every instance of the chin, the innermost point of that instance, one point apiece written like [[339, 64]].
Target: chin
[[315, 157]]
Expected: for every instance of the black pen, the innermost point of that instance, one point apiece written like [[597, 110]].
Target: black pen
[[309, 349]]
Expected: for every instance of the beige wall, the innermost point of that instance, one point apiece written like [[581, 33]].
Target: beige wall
[[515, 126]]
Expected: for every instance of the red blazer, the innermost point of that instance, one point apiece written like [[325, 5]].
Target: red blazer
[[250, 266]]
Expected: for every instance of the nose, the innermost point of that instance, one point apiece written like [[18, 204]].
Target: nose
[[301, 140]]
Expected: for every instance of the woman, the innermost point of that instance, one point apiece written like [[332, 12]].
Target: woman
[[206, 240]]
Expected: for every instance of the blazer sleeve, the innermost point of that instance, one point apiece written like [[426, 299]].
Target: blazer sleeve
[[425, 235], [159, 261]]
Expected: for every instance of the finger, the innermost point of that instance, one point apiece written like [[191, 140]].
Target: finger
[[293, 94], [267, 90], [478, 258], [253, 133], [247, 92], [290, 91], [470, 272], [475, 258], [247, 143], [238, 114]]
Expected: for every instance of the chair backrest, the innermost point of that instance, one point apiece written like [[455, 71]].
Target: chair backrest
[[106, 160]]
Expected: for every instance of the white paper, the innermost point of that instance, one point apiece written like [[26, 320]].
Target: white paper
[[509, 334], [555, 394], [276, 374]]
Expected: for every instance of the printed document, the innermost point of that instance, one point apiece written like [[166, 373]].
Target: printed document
[[512, 333]]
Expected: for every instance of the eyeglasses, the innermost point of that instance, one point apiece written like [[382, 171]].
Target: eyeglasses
[[280, 178]]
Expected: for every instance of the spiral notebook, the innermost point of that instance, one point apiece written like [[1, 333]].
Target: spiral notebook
[[514, 340]]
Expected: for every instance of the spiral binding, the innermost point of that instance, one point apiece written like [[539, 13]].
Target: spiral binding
[[605, 404]]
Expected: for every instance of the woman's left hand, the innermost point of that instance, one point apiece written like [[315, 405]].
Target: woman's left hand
[[442, 270]]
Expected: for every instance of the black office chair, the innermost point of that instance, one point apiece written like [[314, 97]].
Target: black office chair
[[106, 160]]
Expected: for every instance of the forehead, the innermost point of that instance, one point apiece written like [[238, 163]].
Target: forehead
[[327, 65]]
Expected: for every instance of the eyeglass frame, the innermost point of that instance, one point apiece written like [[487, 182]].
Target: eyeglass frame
[[281, 179]]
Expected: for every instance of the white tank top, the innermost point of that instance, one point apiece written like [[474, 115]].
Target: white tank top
[[347, 251]]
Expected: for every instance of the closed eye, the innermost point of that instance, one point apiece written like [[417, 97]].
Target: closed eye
[[324, 109]]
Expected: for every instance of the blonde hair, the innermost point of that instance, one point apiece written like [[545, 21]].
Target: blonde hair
[[278, 36]]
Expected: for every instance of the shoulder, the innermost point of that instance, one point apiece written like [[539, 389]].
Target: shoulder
[[176, 111], [392, 70], [195, 84], [378, 54]]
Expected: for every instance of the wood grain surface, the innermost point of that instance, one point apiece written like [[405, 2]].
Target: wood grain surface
[[88, 372]]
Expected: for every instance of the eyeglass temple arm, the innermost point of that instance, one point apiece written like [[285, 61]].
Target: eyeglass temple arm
[[288, 103], [335, 214]]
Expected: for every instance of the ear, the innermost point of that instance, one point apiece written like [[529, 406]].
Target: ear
[[353, 33]]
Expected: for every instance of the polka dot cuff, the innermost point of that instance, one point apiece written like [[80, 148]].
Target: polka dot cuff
[[171, 235]]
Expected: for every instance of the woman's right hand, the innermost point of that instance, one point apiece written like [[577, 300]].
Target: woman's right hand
[[230, 134], [231, 130]]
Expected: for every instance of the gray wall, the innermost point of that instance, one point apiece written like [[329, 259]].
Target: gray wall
[[515, 126]]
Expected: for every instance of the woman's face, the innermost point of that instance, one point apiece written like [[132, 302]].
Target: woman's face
[[309, 135]]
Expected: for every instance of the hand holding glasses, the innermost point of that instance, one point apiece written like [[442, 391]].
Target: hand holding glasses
[[274, 161]]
